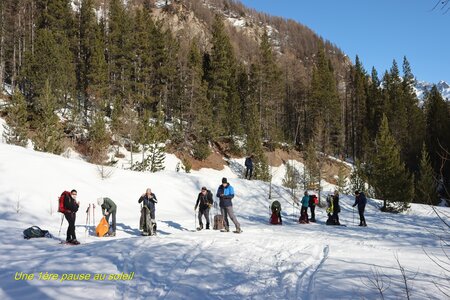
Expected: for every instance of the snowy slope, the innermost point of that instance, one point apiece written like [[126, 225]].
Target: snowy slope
[[264, 262]]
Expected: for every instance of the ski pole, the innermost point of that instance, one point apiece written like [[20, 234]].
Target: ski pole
[[62, 219], [353, 216], [293, 210], [87, 219], [93, 213]]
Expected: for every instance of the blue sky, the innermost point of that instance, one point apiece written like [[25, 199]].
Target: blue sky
[[377, 31]]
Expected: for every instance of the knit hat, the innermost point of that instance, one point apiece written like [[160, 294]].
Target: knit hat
[[224, 180], [100, 201]]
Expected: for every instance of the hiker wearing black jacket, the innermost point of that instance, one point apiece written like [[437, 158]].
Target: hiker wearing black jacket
[[336, 208], [71, 207], [361, 201], [249, 167], [204, 203], [148, 210]]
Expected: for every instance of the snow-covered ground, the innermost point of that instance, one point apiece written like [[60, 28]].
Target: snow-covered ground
[[292, 261]]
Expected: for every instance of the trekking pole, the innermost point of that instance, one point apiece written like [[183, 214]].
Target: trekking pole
[[353, 208], [195, 219], [87, 220], [293, 209], [93, 213], [62, 219]]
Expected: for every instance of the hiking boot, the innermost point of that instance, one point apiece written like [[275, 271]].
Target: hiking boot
[[238, 230], [207, 225], [200, 227], [74, 242], [112, 234], [225, 230]]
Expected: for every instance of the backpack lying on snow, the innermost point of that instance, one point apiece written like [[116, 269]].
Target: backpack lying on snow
[[35, 232]]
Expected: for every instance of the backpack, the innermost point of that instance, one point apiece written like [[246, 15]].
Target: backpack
[[209, 198], [275, 207], [102, 228], [35, 232], [61, 207], [313, 200], [275, 219]]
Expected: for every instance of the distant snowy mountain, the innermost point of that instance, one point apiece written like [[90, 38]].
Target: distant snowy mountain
[[422, 87]]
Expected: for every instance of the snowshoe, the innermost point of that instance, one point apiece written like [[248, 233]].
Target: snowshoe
[[71, 242]]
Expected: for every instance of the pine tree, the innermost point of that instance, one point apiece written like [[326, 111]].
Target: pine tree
[[253, 137], [220, 78], [324, 103], [415, 128], [119, 49], [437, 138], [17, 130], [156, 157], [341, 182], [357, 112], [49, 133], [271, 93], [391, 181], [143, 62], [358, 178], [426, 186], [98, 139], [51, 60], [200, 108], [396, 108], [375, 104], [312, 168], [291, 179], [93, 72]]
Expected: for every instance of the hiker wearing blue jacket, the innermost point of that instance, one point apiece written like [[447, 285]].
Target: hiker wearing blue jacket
[[225, 193], [304, 209], [361, 201]]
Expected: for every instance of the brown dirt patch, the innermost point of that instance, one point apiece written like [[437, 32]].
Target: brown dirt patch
[[331, 169], [213, 161], [278, 157]]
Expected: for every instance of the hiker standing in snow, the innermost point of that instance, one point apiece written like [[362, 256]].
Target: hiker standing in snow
[[225, 193], [361, 201], [109, 208], [312, 206], [204, 203], [304, 209], [149, 200], [336, 208], [71, 207], [249, 167]]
